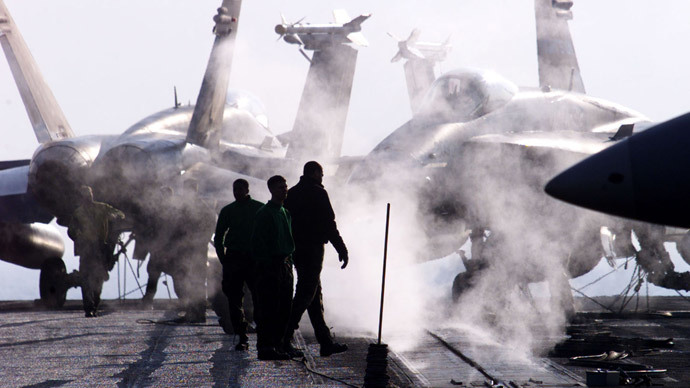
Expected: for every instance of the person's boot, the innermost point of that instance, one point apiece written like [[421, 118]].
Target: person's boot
[[292, 351], [226, 326], [332, 348], [272, 354], [243, 344]]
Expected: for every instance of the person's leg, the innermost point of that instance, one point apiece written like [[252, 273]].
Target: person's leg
[[249, 277], [268, 278], [265, 305], [318, 322], [88, 272], [284, 302], [154, 273], [233, 284], [308, 261]]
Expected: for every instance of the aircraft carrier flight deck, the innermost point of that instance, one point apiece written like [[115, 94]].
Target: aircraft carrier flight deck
[[131, 347]]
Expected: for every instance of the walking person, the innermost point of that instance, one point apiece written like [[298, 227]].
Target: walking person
[[232, 241], [313, 225], [272, 248]]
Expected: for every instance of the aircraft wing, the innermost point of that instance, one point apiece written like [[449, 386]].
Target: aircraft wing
[[207, 119], [46, 117], [585, 143], [558, 67]]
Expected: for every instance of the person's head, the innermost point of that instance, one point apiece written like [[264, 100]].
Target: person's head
[[240, 189], [277, 185], [313, 170], [86, 194]]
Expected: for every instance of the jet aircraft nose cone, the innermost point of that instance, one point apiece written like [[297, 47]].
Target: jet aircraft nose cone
[[280, 29], [645, 177], [601, 182]]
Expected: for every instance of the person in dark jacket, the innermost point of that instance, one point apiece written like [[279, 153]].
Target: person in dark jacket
[[313, 225], [272, 248], [91, 230], [232, 241]]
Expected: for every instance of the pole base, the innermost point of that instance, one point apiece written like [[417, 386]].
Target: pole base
[[377, 366]]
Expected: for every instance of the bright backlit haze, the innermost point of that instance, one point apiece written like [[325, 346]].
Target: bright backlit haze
[[110, 64]]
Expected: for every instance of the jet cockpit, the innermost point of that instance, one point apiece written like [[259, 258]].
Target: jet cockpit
[[463, 95]]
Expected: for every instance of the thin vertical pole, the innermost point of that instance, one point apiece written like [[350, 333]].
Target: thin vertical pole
[[124, 277], [383, 278], [119, 293]]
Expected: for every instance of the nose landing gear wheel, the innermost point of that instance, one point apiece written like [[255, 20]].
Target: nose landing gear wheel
[[51, 283]]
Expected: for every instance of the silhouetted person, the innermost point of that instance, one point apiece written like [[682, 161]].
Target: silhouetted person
[[272, 248], [90, 229], [313, 225], [232, 241]]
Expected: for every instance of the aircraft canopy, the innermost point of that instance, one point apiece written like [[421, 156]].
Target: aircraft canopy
[[465, 94]]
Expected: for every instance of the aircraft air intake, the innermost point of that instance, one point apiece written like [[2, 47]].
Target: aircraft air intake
[[57, 169]]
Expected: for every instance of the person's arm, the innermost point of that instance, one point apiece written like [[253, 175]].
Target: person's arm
[[219, 235], [114, 214], [332, 233]]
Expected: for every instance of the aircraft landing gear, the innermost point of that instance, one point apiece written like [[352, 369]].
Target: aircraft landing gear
[[461, 283], [54, 282]]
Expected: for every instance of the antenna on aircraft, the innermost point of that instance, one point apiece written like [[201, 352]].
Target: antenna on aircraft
[[177, 104]]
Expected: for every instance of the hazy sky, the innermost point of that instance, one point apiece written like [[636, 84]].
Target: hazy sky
[[111, 63]]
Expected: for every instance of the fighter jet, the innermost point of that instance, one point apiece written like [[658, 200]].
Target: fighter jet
[[479, 149], [224, 136]]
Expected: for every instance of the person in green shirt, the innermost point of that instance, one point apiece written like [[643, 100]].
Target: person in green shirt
[[232, 241], [91, 230], [272, 248]]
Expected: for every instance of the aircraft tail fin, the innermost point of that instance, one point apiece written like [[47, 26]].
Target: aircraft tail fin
[[47, 119], [205, 126], [558, 67], [419, 68], [320, 123]]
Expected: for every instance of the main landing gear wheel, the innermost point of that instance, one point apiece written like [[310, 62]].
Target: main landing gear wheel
[[461, 283], [52, 283]]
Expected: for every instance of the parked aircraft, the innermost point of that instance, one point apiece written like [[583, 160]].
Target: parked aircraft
[[104, 93], [479, 150], [223, 137]]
